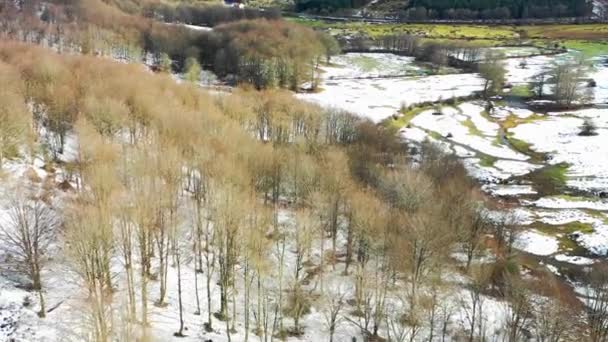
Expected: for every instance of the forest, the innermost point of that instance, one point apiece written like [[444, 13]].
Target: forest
[[332, 5], [500, 9], [205, 15], [465, 9], [263, 52], [148, 199], [139, 206]]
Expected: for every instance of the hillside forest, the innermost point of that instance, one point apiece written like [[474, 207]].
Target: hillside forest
[[138, 205]]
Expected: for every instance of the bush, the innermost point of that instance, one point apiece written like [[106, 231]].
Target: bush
[[588, 128]]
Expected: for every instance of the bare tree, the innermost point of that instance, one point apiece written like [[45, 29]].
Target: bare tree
[[179, 248], [519, 308], [473, 303], [13, 122], [553, 320], [333, 305], [126, 243], [27, 235], [492, 70], [475, 226], [566, 81], [254, 262], [596, 300], [87, 238]]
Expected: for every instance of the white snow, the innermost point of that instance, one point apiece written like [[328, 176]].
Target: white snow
[[198, 28], [534, 65], [564, 216], [516, 168], [577, 260], [600, 76], [413, 134], [558, 135], [453, 122], [536, 243], [509, 190], [378, 98], [562, 203]]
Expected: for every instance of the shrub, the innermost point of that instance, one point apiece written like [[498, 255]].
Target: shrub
[[588, 128]]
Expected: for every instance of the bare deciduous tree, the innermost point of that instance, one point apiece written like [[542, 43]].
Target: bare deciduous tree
[[596, 299], [333, 305], [26, 235], [87, 239]]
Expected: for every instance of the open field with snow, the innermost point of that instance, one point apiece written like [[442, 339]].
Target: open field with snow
[[345, 86], [485, 142], [162, 181]]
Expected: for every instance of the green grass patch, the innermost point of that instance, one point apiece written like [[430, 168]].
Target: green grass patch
[[563, 234], [573, 32], [429, 31], [404, 119], [435, 135], [521, 90], [568, 228], [549, 180], [487, 116], [596, 214], [522, 146], [513, 120], [525, 148], [487, 161], [498, 141], [588, 48], [366, 63], [591, 39], [470, 125], [566, 243]]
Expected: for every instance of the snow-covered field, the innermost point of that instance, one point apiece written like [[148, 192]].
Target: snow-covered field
[[69, 319], [558, 135], [464, 129], [477, 137], [368, 84], [345, 86]]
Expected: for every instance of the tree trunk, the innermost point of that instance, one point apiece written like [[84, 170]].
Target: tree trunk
[[180, 332], [349, 246], [42, 312]]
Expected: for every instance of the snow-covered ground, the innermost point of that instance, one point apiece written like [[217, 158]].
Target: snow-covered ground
[[69, 318], [521, 71], [464, 129], [467, 127], [475, 136], [345, 86], [537, 243], [368, 84], [586, 155]]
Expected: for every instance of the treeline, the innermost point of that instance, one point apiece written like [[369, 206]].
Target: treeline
[[459, 54], [265, 53], [464, 9], [272, 53], [206, 15], [327, 5], [496, 9], [169, 180]]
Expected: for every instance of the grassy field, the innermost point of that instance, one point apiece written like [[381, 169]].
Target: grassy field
[[588, 48], [591, 39], [423, 30], [404, 119], [581, 32]]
